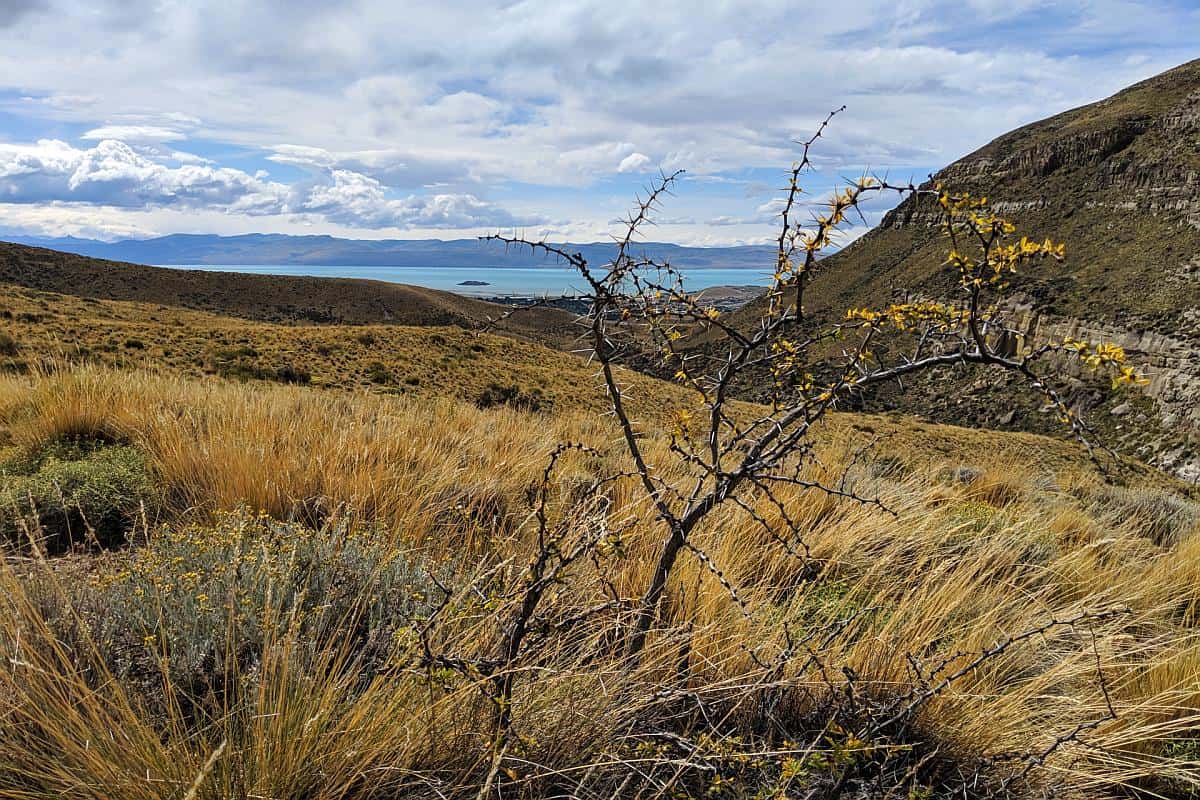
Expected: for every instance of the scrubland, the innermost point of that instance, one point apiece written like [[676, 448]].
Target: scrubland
[[246, 559], [293, 554]]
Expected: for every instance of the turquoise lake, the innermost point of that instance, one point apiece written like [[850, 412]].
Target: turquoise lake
[[507, 281]]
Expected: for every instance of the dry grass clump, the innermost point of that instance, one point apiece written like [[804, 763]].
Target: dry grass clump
[[270, 637], [295, 453]]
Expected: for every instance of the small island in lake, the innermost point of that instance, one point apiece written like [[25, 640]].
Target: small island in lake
[[474, 283]]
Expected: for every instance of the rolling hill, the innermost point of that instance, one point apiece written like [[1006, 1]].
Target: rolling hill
[[266, 297]]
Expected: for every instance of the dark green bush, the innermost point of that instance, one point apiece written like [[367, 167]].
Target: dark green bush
[[8, 345], [72, 496], [379, 374], [239, 363], [290, 373], [510, 395]]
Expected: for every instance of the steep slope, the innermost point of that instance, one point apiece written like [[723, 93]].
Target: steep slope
[[1118, 182], [266, 297]]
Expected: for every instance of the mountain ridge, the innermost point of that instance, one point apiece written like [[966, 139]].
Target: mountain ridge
[[270, 298], [324, 250]]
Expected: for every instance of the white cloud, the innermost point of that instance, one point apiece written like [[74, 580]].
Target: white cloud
[[191, 158], [634, 162], [470, 95], [114, 174], [392, 167], [134, 133], [358, 199]]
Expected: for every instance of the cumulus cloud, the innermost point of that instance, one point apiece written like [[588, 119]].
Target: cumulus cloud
[[115, 174], [353, 198], [634, 162]]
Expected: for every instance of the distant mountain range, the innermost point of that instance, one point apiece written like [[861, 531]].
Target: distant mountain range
[[331, 251]]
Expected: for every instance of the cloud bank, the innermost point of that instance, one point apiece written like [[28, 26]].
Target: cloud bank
[[115, 174], [381, 116]]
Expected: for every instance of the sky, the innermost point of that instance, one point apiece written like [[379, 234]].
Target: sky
[[396, 119]]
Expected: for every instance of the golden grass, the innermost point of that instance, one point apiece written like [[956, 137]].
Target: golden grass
[[426, 363], [1028, 536], [420, 361]]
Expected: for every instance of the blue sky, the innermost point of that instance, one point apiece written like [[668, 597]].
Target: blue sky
[[386, 119]]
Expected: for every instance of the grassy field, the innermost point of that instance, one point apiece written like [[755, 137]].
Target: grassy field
[[257, 640], [233, 546]]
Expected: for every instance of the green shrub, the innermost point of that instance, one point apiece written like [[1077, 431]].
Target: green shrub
[[379, 374], [290, 373], [510, 395], [8, 345], [203, 602], [71, 495], [239, 363]]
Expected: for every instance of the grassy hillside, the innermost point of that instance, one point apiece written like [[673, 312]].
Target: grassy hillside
[[265, 297], [40, 328], [42, 332]]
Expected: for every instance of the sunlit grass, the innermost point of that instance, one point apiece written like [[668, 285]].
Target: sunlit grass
[[93, 706]]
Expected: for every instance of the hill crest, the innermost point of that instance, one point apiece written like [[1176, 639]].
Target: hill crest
[[268, 298]]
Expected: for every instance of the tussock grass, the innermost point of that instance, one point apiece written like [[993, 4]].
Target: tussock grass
[[315, 524]]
